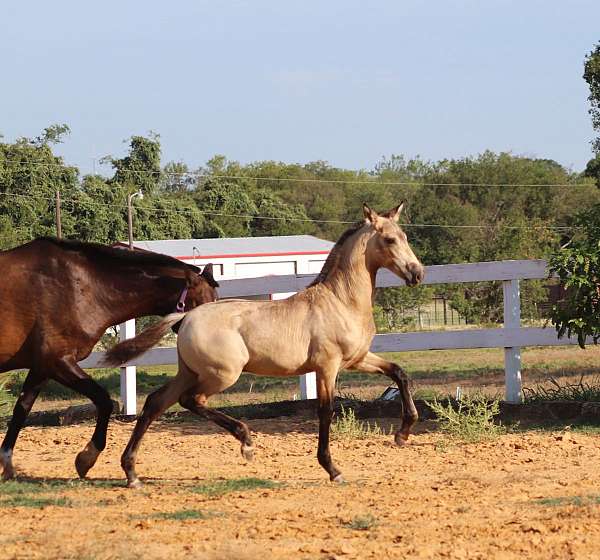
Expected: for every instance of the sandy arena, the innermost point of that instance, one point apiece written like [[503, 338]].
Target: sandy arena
[[532, 495]]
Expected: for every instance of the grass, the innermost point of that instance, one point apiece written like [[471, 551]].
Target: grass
[[434, 372], [584, 391], [347, 426], [569, 501], [35, 502], [148, 380], [32, 494], [17, 487], [187, 514], [361, 523], [470, 419], [221, 487]]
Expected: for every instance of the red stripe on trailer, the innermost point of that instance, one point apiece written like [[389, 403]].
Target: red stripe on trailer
[[234, 256]]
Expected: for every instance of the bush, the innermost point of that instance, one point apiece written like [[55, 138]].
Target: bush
[[583, 391], [470, 419], [347, 426]]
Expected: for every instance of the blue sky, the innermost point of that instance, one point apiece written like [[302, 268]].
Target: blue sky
[[343, 81]]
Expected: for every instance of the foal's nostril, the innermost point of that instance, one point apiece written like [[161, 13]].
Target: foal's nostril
[[417, 273]]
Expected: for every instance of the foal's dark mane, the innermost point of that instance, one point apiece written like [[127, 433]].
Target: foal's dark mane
[[334, 254], [96, 252]]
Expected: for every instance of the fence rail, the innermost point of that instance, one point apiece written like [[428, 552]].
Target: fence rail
[[512, 337]]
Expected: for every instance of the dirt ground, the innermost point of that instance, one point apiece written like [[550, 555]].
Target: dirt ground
[[532, 494]]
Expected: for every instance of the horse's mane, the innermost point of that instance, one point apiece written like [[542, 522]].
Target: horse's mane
[[334, 255], [141, 257]]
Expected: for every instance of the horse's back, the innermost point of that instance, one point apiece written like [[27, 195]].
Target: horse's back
[[263, 337]]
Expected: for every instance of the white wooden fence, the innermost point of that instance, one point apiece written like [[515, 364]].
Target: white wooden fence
[[511, 337]]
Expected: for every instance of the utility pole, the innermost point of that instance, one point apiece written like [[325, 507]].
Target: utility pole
[[130, 197], [58, 222]]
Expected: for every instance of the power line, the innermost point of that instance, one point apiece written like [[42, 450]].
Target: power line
[[371, 182], [156, 210]]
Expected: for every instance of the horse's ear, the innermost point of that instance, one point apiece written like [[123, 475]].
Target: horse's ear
[[370, 215], [394, 213], [207, 274]]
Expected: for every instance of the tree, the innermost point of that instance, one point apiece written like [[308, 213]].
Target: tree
[[395, 308], [30, 176], [577, 263], [140, 168], [591, 75], [578, 267], [276, 217]]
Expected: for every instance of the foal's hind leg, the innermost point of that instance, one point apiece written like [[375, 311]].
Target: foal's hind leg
[[155, 405], [196, 402], [372, 363], [69, 374], [325, 389], [31, 389]]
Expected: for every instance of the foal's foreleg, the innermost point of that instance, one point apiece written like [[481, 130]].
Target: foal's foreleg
[[69, 374], [372, 363], [325, 391], [31, 389], [196, 403]]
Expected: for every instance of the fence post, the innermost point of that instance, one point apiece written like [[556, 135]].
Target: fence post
[[512, 355], [128, 373]]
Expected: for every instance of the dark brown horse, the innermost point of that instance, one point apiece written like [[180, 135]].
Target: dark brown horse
[[59, 297]]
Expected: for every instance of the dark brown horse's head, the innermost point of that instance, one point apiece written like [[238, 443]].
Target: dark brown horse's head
[[202, 288]]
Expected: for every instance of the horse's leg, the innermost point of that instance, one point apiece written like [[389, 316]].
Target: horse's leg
[[372, 363], [325, 389], [68, 373], [195, 402], [31, 389], [155, 405]]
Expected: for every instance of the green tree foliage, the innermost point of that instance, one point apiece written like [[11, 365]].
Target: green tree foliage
[[578, 267], [30, 176], [591, 75], [140, 168], [395, 308]]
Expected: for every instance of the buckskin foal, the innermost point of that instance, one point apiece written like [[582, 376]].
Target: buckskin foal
[[324, 328], [58, 298]]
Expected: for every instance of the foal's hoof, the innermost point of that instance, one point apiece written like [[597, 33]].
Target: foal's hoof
[[338, 478], [248, 452], [136, 484]]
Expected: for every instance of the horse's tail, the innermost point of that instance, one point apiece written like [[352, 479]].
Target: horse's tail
[[133, 347]]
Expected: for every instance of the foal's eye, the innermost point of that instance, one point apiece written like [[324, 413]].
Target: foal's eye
[[389, 240]]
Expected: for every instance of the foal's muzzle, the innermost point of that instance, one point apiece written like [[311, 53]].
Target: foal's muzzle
[[415, 274]]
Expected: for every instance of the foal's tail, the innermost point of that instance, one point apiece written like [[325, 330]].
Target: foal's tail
[[133, 347]]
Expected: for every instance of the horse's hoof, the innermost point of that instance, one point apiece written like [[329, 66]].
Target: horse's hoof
[[86, 459], [248, 452], [136, 484], [8, 472], [400, 439], [338, 478]]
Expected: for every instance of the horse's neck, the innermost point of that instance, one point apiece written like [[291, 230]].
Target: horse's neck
[[135, 293], [351, 280]]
